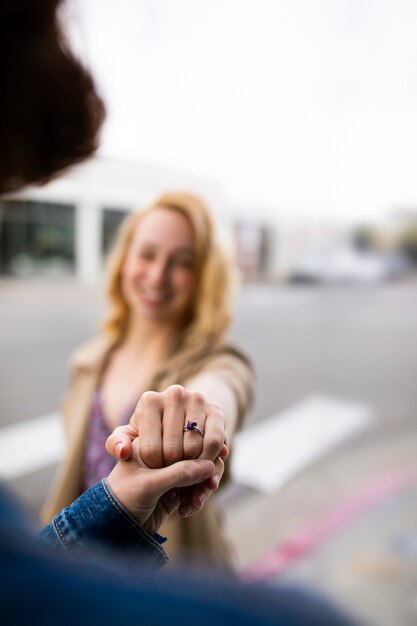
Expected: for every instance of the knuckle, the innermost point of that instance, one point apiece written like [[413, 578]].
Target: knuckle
[[175, 393], [214, 442], [147, 399], [197, 398], [151, 454]]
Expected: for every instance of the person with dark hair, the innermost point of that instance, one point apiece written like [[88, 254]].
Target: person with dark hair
[[40, 583], [50, 111]]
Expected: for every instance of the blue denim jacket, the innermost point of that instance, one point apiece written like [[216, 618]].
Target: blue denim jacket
[[45, 587], [98, 519]]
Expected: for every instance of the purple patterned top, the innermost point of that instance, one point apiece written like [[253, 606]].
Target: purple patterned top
[[97, 463]]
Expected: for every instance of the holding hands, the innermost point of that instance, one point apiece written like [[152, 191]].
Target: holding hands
[[152, 495], [170, 455], [164, 423]]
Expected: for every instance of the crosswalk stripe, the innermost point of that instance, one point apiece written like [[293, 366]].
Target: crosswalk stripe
[[31, 445], [271, 452], [265, 455]]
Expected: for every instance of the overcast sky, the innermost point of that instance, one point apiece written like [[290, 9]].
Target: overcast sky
[[307, 107]]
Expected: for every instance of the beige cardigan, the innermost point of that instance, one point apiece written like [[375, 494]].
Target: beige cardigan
[[220, 371]]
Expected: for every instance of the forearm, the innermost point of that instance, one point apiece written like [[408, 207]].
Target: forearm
[[216, 390], [97, 519], [229, 382]]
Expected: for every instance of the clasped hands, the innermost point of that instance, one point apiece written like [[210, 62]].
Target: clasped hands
[[163, 466]]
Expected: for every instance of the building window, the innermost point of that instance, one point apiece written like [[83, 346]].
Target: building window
[[112, 219], [251, 241], [36, 238]]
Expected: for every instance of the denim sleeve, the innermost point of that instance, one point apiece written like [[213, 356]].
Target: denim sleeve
[[98, 520]]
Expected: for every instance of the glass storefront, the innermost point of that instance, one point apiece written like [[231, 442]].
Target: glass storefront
[[36, 238], [112, 218]]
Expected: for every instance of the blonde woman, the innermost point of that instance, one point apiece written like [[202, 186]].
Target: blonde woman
[[169, 292]]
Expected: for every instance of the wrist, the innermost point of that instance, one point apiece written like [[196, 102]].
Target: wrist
[[118, 504]]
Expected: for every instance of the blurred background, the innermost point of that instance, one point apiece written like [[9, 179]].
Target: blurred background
[[296, 121]]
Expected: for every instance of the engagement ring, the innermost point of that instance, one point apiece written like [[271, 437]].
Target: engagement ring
[[194, 426]]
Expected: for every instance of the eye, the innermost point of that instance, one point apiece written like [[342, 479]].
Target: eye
[[184, 262], [146, 254]]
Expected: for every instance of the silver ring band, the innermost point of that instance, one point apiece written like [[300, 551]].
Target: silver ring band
[[193, 426]]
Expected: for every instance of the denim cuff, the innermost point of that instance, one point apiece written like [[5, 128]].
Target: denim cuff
[[97, 518]]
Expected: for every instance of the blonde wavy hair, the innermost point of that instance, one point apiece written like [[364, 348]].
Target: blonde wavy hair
[[211, 307]]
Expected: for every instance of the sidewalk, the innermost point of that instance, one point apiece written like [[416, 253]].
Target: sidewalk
[[346, 526]]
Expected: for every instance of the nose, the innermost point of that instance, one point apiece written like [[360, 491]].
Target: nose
[[158, 272]]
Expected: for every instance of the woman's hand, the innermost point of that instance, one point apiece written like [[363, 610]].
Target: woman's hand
[[151, 495], [159, 421]]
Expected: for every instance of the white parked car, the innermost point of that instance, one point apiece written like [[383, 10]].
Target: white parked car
[[348, 265]]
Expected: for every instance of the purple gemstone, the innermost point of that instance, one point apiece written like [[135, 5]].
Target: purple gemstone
[[191, 425]]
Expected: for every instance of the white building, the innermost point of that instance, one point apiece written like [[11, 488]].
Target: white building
[[65, 226]]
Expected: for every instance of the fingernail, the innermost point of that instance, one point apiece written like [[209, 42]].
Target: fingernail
[[224, 452], [186, 511], [118, 449], [202, 498], [197, 501], [216, 480]]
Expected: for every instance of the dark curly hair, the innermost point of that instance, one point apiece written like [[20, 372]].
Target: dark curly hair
[[50, 112]]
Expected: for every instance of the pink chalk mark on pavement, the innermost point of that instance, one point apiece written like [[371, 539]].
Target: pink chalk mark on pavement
[[310, 537]]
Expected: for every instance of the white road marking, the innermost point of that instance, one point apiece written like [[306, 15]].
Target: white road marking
[[269, 453], [31, 445], [265, 455]]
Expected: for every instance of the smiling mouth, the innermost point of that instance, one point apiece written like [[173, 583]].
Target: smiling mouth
[[153, 298]]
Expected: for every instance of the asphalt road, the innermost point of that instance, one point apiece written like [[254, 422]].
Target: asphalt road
[[353, 342]]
